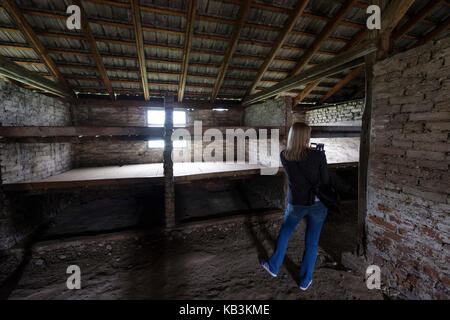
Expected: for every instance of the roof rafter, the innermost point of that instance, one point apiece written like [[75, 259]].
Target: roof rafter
[[93, 45], [18, 73], [242, 15], [326, 32], [342, 83], [392, 16], [432, 34], [282, 36], [332, 66], [316, 46], [136, 14], [14, 11], [414, 20], [187, 47]]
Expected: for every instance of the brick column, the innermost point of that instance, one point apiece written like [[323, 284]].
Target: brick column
[[168, 163]]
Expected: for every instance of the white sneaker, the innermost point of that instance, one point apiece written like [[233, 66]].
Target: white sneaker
[[266, 266], [305, 288]]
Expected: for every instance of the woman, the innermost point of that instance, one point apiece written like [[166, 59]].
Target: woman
[[304, 168]]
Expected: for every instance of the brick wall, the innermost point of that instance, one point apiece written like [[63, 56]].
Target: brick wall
[[268, 113], [341, 114], [21, 215], [409, 183], [116, 152], [25, 162]]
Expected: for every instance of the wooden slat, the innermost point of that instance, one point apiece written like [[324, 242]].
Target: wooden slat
[[13, 71], [242, 15], [169, 184], [136, 13], [390, 18], [93, 45], [332, 66], [326, 32], [282, 36], [414, 20], [81, 131], [342, 83], [436, 31], [350, 45], [305, 92], [16, 13], [187, 47]]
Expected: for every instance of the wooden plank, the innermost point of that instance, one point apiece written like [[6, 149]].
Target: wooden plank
[[136, 14], [18, 73], [81, 131], [326, 32], [187, 47], [16, 13], [305, 92], [282, 36], [169, 184], [435, 32], [330, 67], [146, 173], [342, 83], [93, 45], [414, 20], [242, 15], [364, 150], [390, 18]]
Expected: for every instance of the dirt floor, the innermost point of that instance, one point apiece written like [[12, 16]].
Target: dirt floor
[[210, 260]]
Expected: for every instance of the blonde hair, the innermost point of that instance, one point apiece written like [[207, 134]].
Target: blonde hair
[[298, 141]]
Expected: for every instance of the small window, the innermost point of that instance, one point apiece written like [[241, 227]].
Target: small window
[[159, 144], [156, 118], [179, 118], [156, 144]]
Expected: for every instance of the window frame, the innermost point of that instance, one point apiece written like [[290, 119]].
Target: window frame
[[162, 109]]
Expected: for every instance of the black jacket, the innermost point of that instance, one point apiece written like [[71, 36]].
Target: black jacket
[[314, 167]]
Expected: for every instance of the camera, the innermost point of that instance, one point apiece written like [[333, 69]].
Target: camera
[[318, 146]]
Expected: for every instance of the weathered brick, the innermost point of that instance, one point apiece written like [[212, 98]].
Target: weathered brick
[[382, 223], [407, 99], [429, 116], [442, 126], [429, 155], [417, 107]]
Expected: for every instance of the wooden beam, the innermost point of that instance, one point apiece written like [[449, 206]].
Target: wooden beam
[[18, 73], [93, 45], [330, 67], [242, 15], [282, 36], [136, 13], [364, 150], [169, 184], [187, 47], [16, 13], [414, 20], [305, 92], [342, 83], [80, 131], [390, 18], [435, 32], [326, 32]]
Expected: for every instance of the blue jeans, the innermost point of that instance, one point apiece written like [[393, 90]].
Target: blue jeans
[[315, 216]]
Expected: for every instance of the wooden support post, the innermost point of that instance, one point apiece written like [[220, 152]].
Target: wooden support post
[[364, 153], [288, 122], [364, 150], [289, 102], [169, 185]]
